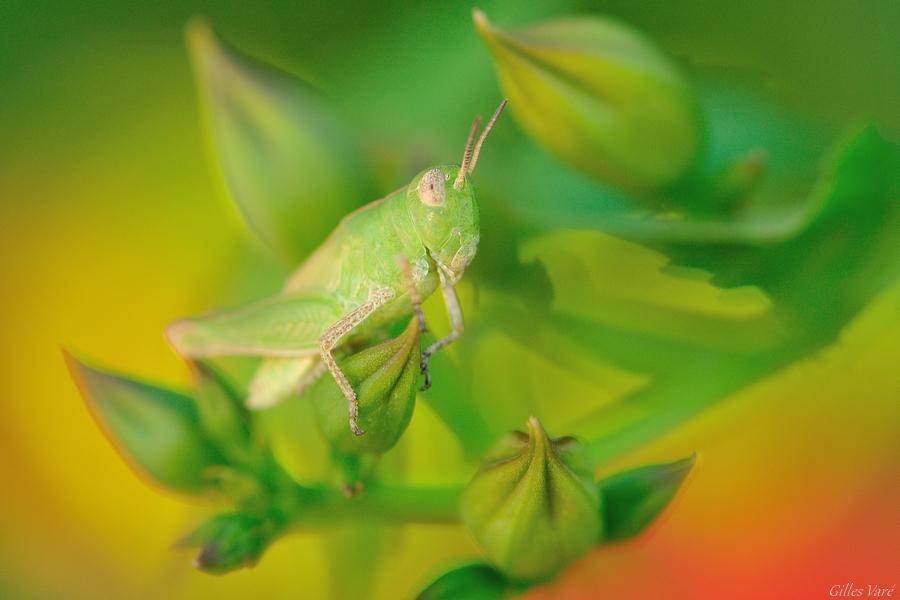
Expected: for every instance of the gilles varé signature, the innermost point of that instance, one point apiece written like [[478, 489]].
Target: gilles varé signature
[[851, 590]]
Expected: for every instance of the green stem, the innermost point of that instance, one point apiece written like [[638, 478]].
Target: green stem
[[315, 508], [405, 504]]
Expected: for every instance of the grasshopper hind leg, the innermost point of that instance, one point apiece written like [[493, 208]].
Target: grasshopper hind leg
[[332, 337]]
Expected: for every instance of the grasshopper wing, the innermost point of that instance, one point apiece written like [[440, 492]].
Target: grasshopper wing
[[285, 326], [279, 378]]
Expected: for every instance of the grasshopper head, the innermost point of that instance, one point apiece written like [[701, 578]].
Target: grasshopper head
[[445, 217], [442, 206]]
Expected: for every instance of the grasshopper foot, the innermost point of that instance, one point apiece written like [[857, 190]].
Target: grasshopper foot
[[354, 418], [424, 368]]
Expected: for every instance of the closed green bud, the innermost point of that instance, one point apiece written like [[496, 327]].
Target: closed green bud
[[231, 541], [156, 429], [289, 164], [599, 96], [533, 505], [384, 377]]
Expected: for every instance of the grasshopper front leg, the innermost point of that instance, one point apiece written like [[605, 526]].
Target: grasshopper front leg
[[414, 297], [451, 301], [454, 311], [332, 337]]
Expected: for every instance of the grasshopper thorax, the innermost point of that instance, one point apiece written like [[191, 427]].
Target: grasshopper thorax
[[445, 217]]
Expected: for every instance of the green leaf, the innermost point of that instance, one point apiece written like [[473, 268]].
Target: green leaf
[[452, 399], [157, 430], [476, 581], [600, 96], [287, 161], [850, 220], [653, 298], [815, 274], [631, 500]]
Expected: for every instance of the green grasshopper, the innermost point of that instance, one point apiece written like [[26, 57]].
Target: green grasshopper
[[373, 270]]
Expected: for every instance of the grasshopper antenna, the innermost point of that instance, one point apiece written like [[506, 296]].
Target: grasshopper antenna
[[487, 129], [467, 154], [470, 157]]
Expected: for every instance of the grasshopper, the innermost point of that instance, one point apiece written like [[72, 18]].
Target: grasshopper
[[372, 270]]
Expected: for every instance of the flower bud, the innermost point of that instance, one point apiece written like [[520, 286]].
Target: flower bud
[[157, 430], [384, 377], [600, 97], [288, 162], [533, 505], [231, 541]]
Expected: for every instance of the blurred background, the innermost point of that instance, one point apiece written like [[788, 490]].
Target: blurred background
[[115, 221]]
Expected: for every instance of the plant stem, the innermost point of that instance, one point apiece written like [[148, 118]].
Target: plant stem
[[314, 508]]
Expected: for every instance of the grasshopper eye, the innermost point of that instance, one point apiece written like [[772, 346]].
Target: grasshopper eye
[[431, 188]]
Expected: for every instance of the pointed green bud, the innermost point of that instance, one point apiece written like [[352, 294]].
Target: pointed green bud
[[157, 430], [533, 505], [599, 96], [289, 164], [384, 377], [231, 541]]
